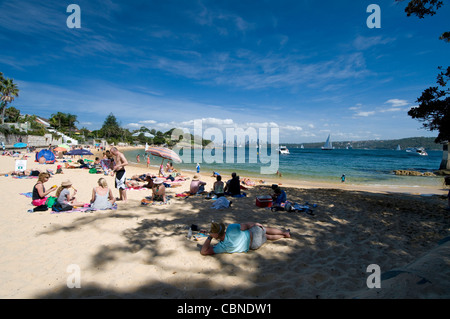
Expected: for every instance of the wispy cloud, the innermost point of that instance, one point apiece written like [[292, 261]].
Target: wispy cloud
[[222, 20], [363, 43], [397, 102]]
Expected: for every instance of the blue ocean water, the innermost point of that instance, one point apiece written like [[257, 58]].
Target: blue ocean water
[[368, 167]]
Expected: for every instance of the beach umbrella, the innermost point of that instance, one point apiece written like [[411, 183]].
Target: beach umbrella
[[79, 152], [20, 145], [60, 149], [164, 153], [67, 147]]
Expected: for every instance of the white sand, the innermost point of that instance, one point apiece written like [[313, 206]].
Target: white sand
[[141, 251]]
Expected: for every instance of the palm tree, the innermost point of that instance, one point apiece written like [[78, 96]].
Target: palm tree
[[8, 90], [57, 120], [71, 120]]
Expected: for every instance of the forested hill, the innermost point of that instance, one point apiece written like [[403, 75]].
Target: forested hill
[[426, 142]]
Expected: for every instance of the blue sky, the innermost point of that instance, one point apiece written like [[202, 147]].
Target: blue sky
[[311, 68]]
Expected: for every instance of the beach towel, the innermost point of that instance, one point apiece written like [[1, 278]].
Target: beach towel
[[240, 195], [220, 203], [136, 188], [83, 209], [186, 194], [147, 201], [29, 194], [23, 177]]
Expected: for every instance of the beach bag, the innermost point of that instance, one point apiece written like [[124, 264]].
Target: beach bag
[[57, 207], [50, 201], [93, 171]]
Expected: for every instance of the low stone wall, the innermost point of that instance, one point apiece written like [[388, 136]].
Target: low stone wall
[[30, 140]]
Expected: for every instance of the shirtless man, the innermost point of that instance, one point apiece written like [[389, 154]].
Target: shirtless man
[[119, 163]]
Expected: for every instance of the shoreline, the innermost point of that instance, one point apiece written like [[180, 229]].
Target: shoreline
[[308, 184]]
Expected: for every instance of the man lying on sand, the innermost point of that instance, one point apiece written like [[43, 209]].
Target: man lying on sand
[[238, 238]]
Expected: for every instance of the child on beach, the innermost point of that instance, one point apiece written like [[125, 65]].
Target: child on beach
[[64, 198]]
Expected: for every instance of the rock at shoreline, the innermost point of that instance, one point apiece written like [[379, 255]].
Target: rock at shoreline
[[442, 172], [412, 173]]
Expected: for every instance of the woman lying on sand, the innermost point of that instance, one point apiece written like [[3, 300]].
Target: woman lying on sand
[[238, 238]]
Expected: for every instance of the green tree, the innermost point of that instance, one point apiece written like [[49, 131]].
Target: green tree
[[58, 120], [8, 90], [434, 103], [111, 128], [12, 114], [421, 8], [434, 107], [71, 119]]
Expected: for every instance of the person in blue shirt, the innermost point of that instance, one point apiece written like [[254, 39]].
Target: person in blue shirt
[[240, 238], [279, 196]]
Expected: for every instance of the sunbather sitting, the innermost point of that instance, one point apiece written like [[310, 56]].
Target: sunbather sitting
[[159, 190]]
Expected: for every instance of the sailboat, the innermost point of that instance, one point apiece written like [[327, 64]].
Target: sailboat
[[327, 145]]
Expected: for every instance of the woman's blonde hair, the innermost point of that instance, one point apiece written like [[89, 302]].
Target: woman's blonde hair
[[102, 182], [217, 228]]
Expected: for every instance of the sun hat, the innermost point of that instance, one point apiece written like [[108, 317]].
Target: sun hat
[[195, 178], [158, 181], [66, 183]]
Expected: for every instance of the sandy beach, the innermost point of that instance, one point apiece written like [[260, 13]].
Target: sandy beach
[[141, 251]]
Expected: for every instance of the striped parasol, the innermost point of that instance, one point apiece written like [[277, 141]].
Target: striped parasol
[[164, 153]]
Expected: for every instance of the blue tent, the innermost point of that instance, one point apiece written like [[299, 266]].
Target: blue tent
[[47, 154]]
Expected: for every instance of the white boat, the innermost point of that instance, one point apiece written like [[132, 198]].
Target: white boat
[[283, 150], [417, 150], [398, 148], [328, 145]]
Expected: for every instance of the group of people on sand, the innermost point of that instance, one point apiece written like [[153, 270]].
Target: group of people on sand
[[65, 196], [102, 197], [231, 187], [235, 238]]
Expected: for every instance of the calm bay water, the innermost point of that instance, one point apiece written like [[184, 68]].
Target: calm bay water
[[368, 167]]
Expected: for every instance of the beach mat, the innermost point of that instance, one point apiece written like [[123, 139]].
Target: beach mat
[[29, 194], [428, 277], [83, 210], [24, 177]]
